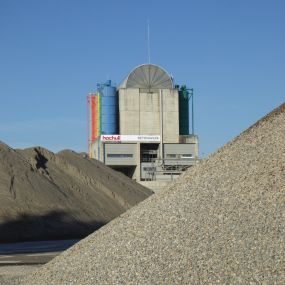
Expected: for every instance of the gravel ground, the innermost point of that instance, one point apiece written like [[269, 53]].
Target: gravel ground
[[222, 222], [8, 272]]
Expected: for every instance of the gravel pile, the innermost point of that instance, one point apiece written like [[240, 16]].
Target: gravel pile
[[63, 195], [223, 222]]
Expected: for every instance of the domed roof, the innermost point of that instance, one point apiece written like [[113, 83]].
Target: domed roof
[[148, 76]]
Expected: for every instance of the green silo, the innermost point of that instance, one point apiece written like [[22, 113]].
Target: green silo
[[183, 111]]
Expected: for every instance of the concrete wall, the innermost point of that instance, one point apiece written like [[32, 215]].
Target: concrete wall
[[156, 186], [91, 150], [129, 111], [139, 113], [149, 113], [170, 116], [96, 150], [191, 139], [180, 149], [120, 154]]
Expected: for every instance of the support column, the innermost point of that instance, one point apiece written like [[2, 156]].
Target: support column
[[138, 176]]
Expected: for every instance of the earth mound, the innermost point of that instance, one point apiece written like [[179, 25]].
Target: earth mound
[[44, 195]]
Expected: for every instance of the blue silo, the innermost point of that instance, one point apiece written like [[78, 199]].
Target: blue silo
[[109, 108]]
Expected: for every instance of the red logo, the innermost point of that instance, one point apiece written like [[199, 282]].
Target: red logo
[[114, 138]]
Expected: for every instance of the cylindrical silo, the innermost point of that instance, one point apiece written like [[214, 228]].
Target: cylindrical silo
[[183, 111], [93, 116], [108, 108]]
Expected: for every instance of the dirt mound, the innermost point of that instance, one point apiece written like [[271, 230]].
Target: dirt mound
[[66, 195], [223, 222]]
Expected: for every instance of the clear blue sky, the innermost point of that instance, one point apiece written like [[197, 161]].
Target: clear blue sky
[[53, 52]]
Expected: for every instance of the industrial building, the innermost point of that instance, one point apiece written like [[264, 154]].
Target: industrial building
[[143, 127]]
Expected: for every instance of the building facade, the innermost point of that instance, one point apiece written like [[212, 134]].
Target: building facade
[[142, 126]]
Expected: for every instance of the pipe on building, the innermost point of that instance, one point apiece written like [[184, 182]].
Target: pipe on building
[[161, 123]]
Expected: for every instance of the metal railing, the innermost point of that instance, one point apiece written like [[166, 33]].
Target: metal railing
[[160, 167]]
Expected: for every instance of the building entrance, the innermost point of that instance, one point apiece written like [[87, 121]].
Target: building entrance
[[149, 152]]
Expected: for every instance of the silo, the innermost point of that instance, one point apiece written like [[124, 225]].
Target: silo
[[108, 104], [93, 117], [93, 125], [183, 111]]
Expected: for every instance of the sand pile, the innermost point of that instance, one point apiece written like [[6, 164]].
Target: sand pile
[[223, 222], [65, 195]]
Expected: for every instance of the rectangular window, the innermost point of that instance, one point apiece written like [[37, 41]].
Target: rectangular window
[[178, 155], [149, 168], [119, 155], [186, 155], [171, 155]]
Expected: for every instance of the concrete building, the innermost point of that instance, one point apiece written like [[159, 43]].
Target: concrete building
[[141, 127]]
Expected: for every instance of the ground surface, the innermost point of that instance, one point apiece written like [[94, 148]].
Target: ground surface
[[222, 222], [22, 258]]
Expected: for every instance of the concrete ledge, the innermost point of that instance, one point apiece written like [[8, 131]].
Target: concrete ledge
[[155, 186]]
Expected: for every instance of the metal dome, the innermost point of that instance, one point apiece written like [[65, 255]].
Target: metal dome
[[148, 76]]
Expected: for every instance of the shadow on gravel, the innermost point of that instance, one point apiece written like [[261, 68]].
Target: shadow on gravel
[[56, 225]]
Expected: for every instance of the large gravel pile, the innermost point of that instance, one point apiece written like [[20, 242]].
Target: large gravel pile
[[223, 222], [58, 196]]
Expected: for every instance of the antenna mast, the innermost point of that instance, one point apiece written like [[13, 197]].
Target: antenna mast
[[148, 42]]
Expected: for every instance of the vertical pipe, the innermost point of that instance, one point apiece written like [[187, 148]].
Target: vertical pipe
[[161, 123], [138, 167], [192, 112], [139, 112]]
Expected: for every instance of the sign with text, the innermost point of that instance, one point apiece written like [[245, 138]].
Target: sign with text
[[130, 138]]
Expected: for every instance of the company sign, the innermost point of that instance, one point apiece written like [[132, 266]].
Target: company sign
[[130, 138]]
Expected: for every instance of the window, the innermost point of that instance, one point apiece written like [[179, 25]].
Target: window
[[149, 168], [186, 155], [119, 155], [178, 155], [171, 155]]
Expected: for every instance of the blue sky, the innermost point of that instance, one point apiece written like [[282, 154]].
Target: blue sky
[[54, 52]]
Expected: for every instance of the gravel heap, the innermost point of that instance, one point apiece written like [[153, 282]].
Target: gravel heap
[[63, 195], [223, 222]]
